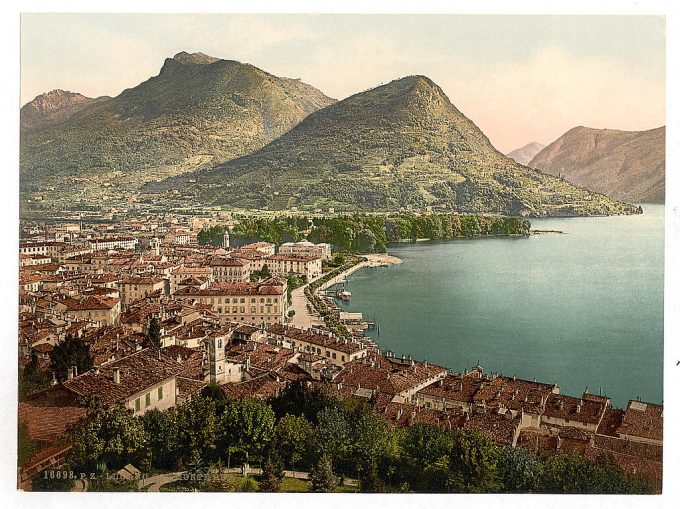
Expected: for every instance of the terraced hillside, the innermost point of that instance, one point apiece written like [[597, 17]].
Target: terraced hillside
[[198, 111], [401, 145]]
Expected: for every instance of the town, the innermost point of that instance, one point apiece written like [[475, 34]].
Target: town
[[163, 317]]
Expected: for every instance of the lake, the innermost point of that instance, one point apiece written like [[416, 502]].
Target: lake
[[583, 308]]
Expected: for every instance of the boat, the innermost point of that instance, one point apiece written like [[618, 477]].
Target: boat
[[345, 295]]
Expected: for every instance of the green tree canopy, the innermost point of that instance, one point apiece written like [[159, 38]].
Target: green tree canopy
[[322, 476], [293, 435], [69, 353], [472, 463], [247, 425], [110, 435]]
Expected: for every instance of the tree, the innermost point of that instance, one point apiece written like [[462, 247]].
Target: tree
[[272, 474], [519, 470], [472, 463], [365, 241], [162, 437], [322, 476], [198, 430], [247, 425], [299, 399], [214, 392], [26, 447], [372, 444], [155, 333], [109, 435], [31, 379], [292, 436], [333, 433], [69, 353]]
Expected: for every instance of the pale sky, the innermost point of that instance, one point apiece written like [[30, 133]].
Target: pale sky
[[519, 78]]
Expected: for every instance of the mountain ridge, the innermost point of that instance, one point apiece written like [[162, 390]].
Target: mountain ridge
[[626, 165], [196, 112], [400, 145], [526, 153]]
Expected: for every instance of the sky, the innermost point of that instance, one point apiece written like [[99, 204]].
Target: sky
[[519, 78]]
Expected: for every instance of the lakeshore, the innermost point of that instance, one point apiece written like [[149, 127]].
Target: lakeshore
[[535, 306]]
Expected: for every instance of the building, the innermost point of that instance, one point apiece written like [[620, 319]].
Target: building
[[303, 266], [642, 422], [51, 249], [306, 248], [266, 248], [255, 303], [142, 381], [106, 243], [229, 270], [134, 288], [102, 310], [339, 351]]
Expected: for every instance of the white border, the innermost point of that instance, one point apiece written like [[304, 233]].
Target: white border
[[9, 143]]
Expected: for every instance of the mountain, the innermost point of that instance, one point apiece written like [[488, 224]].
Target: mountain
[[53, 107], [400, 145], [198, 111], [526, 153], [626, 165]]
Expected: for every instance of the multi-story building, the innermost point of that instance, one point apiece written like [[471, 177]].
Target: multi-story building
[[105, 311], [133, 288], [263, 302], [123, 242], [229, 270], [338, 351], [303, 266], [306, 248]]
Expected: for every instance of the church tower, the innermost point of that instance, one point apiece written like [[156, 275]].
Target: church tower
[[216, 346], [225, 238], [155, 246]]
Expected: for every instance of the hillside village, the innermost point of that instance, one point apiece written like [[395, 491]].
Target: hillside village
[[164, 317]]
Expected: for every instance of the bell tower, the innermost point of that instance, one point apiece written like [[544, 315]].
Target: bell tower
[[225, 238], [155, 246], [216, 346]]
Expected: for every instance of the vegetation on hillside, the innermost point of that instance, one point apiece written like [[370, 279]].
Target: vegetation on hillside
[[196, 112], [362, 233], [399, 146]]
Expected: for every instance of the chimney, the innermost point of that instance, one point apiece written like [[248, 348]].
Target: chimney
[[69, 374], [116, 375], [75, 370]]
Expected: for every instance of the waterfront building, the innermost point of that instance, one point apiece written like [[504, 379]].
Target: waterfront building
[[255, 303], [306, 248], [308, 267], [338, 351]]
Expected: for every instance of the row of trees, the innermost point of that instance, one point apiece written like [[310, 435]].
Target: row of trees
[[367, 233], [306, 429]]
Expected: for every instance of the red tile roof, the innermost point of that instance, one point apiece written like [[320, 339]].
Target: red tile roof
[[47, 423]]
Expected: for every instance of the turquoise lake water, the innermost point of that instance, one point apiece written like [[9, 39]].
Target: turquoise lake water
[[584, 308]]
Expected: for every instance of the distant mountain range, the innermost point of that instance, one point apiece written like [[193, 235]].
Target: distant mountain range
[[53, 107], [198, 111], [526, 153], [396, 146], [625, 165], [208, 131]]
